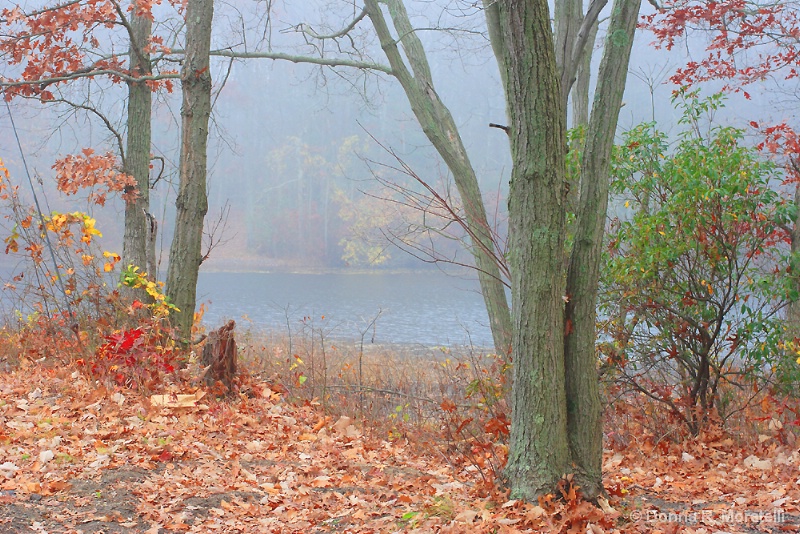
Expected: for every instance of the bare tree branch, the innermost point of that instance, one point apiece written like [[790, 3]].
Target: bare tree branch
[[114, 132], [328, 62], [90, 73], [324, 61], [446, 211], [160, 173], [308, 30], [137, 47], [215, 230]]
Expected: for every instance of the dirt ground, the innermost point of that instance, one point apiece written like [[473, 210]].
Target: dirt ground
[[106, 504]]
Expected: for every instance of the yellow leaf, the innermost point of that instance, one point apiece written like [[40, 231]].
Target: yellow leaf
[[88, 224]]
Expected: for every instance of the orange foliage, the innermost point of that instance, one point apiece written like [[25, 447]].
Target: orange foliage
[[93, 171], [55, 45]]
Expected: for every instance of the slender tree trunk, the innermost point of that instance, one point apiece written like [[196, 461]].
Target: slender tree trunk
[[793, 311], [440, 128], [152, 235], [192, 201], [137, 151], [568, 17], [584, 410], [538, 445], [580, 92], [496, 38]]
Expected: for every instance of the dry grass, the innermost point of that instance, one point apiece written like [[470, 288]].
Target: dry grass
[[406, 388], [368, 381]]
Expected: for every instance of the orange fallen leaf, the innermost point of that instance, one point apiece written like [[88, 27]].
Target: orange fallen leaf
[[176, 526], [321, 482], [467, 516], [56, 486], [322, 422]]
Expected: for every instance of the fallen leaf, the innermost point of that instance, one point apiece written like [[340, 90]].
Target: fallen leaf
[[467, 516], [753, 462], [602, 502], [8, 469], [321, 482], [177, 401], [535, 513], [341, 425]]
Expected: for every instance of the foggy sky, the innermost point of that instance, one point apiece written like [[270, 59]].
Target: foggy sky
[[270, 116]]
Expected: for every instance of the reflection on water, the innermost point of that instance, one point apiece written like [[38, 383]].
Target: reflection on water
[[426, 308]]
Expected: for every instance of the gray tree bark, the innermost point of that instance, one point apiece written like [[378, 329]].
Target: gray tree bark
[[538, 445], [568, 16], [192, 200], [550, 370], [580, 92], [136, 160], [793, 309], [584, 410], [438, 125]]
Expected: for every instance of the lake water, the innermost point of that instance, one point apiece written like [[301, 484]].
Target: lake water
[[423, 308]]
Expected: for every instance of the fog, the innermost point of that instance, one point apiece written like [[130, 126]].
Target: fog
[[294, 148]]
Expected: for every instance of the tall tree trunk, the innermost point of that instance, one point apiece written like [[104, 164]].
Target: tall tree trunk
[[580, 92], [440, 128], [538, 445], [568, 16], [496, 38], [192, 201], [137, 151], [793, 311], [584, 410]]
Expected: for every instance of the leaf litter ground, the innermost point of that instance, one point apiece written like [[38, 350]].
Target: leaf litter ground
[[76, 457]]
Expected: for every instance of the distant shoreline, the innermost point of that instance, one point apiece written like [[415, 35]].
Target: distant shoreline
[[330, 270], [252, 265]]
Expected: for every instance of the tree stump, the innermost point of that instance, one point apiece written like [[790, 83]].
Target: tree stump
[[219, 354]]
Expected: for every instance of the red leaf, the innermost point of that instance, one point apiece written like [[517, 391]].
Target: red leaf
[[448, 406]]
